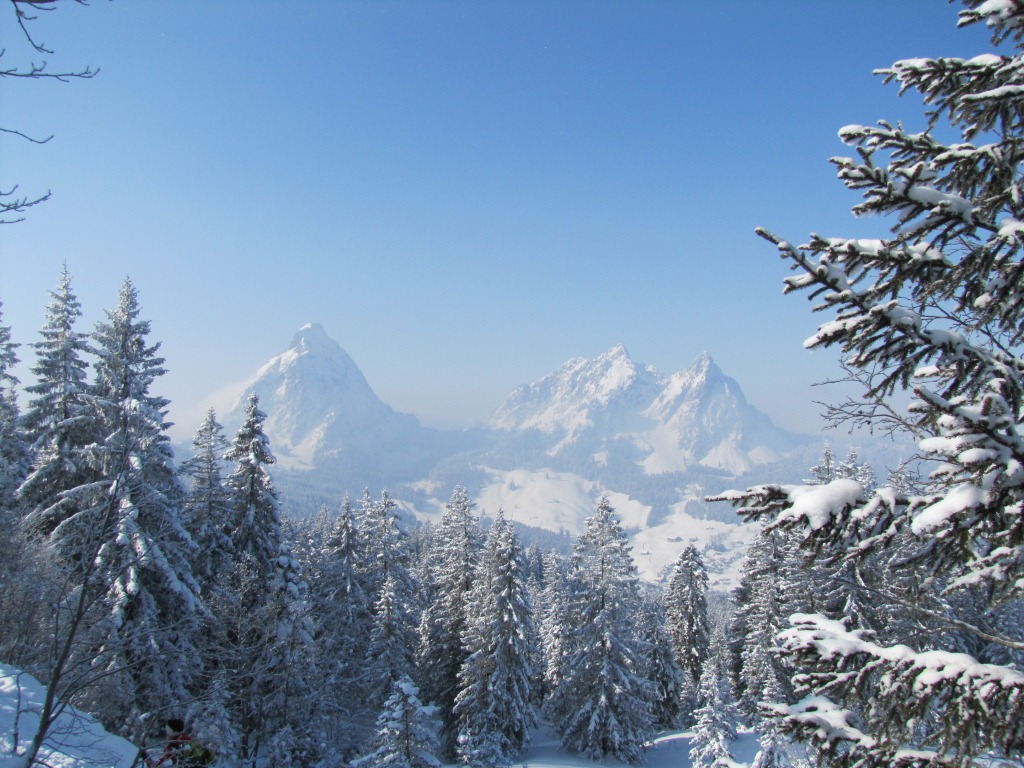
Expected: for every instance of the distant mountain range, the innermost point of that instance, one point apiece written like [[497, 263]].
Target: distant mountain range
[[656, 444]]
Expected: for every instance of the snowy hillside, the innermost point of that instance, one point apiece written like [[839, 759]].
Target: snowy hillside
[[75, 739], [317, 401]]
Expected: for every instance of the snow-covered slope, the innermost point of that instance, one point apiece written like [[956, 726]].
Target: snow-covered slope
[[75, 740], [78, 741]]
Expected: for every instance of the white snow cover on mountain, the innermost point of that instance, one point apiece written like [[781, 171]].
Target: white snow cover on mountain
[[695, 417], [318, 402]]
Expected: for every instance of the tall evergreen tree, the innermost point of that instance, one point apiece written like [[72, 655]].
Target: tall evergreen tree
[[152, 596], [343, 611], [60, 422], [493, 708], [686, 620], [667, 678], [555, 625], [396, 612], [206, 513], [936, 308], [760, 614], [267, 635], [715, 729], [457, 545], [603, 705], [391, 652], [14, 455]]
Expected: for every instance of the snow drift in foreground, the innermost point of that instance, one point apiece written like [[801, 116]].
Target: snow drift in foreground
[[76, 740]]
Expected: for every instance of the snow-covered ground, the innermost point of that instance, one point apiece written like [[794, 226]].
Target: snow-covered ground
[[78, 741], [75, 740]]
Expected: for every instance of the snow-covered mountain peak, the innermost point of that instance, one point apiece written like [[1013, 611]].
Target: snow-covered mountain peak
[[312, 337], [575, 394], [696, 416], [314, 394]]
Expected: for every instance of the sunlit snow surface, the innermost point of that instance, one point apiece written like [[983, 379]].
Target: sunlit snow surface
[[75, 740]]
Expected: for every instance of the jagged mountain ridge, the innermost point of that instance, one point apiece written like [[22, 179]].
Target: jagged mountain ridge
[[656, 444], [694, 417]]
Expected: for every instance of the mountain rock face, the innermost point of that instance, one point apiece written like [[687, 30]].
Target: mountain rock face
[[655, 444]]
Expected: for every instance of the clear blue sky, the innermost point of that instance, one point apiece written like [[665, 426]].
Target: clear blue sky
[[465, 194]]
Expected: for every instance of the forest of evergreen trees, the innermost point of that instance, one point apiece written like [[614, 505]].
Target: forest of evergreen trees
[[136, 590]]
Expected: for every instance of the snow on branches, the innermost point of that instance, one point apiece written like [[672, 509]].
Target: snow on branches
[[935, 310]]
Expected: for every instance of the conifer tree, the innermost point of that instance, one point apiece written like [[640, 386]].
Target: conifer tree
[[403, 738], [391, 652], [686, 615], [136, 515], [602, 706], [493, 708], [555, 625], [667, 678], [344, 618], [60, 422], [715, 729], [206, 513], [14, 455], [760, 615], [934, 308], [267, 632], [457, 545]]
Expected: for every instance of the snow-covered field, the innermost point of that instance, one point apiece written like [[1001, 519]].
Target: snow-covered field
[[78, 741]]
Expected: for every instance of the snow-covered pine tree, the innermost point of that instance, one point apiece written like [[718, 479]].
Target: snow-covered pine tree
[[686, 619], [715, 729], [825, 472], [59, 421], [554, 624], [935, 307], [397, 608], [343, 612], [266, 633], [760, 617], [143, 551], [493, 708], [404, 735], [602, 706], [14, 454], [256, 516], [667, 678], [391, 651], [457, 545], [206, 513]]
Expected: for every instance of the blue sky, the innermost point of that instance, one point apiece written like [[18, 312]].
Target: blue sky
[[464, 194]]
